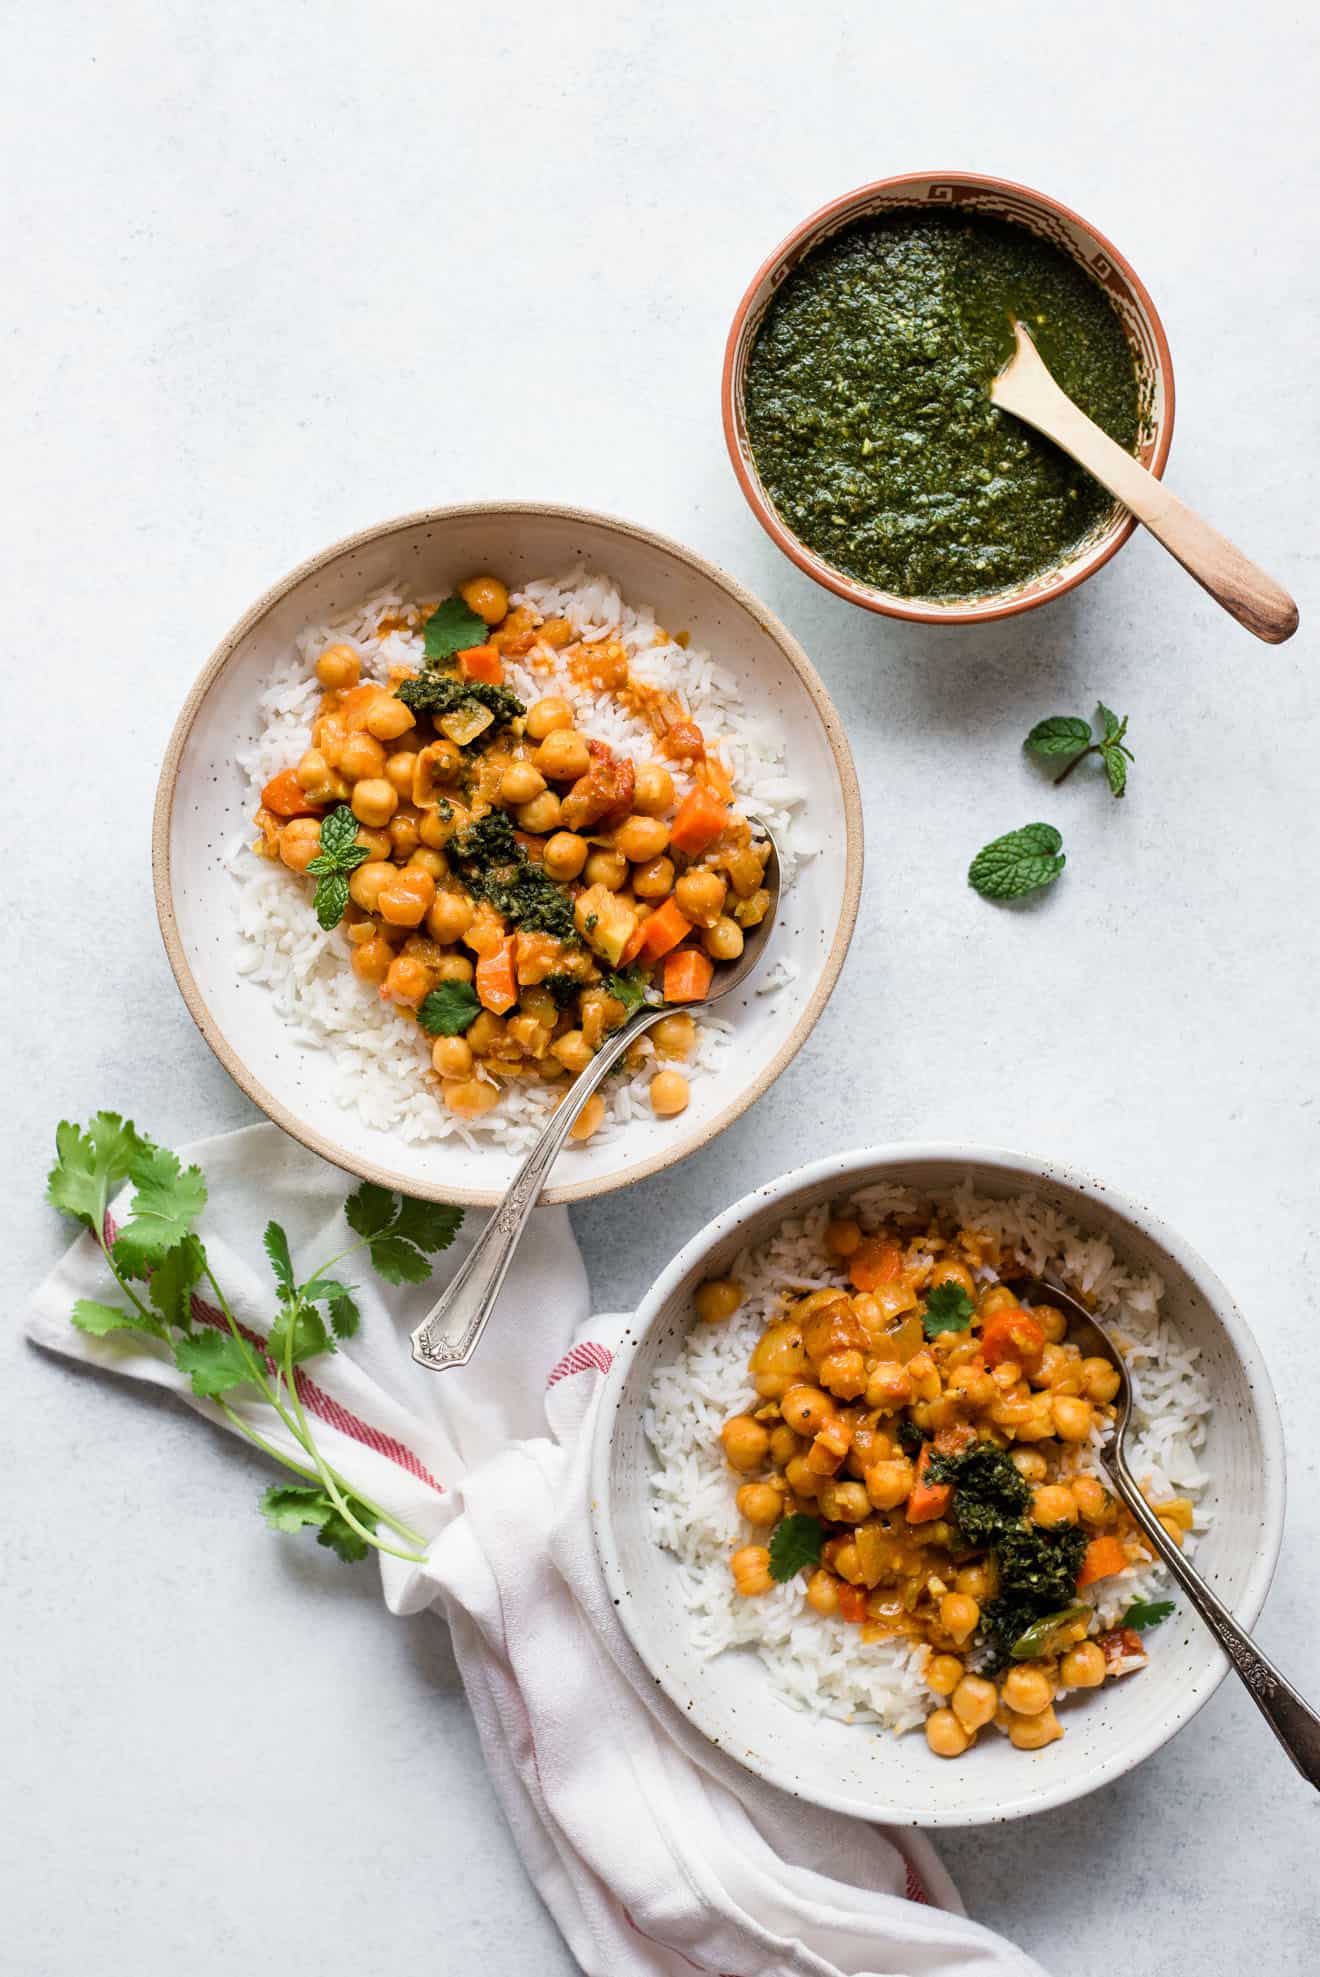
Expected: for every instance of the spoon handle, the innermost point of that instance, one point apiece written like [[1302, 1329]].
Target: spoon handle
[[451, 1330], [1296, 1726], [1244, 590]]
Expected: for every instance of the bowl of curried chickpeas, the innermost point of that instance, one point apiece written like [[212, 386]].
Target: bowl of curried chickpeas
[[848, 1495]]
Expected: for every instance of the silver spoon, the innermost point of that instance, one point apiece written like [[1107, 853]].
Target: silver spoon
[[451, 1330], [1296, 1726]]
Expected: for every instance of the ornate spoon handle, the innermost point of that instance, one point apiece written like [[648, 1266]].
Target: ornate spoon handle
[[449, 1333], [1296, 1725]]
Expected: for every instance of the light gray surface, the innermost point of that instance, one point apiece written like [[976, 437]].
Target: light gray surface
[[274, 273]]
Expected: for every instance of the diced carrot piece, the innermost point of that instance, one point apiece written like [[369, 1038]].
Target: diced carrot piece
[[698, 821], [633, 945], [874, 1262], [482, 662], [497, 987], [663, 930], [852, 1603], [1104, 1557], [1012, 1334], [927, 1500], [687, 975], [285, 795]]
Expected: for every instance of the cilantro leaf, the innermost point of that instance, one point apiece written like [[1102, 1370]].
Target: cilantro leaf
[[399, 1262], [214, 1361], [1061, 734], [330, 900], [449, 1010], [290, 1507], [344, 1315], [629, 988], [948, 1309], [369, 1210], [452, 628], [89, 1165], [98, 1319], [170, 1285], [796, 1542], [276, 1245], [1145, 1613], [168, 1200], [1019, 862], [302, 1326], [432, 1225]]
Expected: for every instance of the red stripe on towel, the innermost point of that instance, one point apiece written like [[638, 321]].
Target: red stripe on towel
[[914, 1890], [584, 1358]]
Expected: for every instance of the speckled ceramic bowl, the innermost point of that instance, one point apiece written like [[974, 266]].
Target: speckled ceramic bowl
[[203, 810], [856, 1768], [997, 198]]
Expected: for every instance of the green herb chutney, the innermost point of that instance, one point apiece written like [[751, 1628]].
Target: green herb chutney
[[868, 408]]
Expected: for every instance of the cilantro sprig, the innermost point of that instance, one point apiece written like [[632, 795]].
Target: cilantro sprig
[[340, 854], [449, 1011], [948, 1309], [1017, 863], [796, 1542], [629, 988], [452, 628], [158, 1263], [1144, 1613], [1068, 735]]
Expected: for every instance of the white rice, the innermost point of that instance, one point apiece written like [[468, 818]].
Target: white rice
[[824, 1665], [381, 1064]]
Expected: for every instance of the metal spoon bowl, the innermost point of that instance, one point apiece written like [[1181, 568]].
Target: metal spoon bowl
[[1293, 1722], [451, 1331]]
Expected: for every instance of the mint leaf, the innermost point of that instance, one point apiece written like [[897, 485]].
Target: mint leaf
[[399, 1262], [330, 899], [452, 628], [168, 1200], [1019, 862], [628, 988], [948, 1309], [214, 1361], [449, 1010], [1145, 1613], [1115, 761], [90, 1164], [796, 1542], [1061, 734], [98, 1319], [1114, 729], [369, 1210], [338, 836], [432, 1225], [170, 1285], [276, 1245]]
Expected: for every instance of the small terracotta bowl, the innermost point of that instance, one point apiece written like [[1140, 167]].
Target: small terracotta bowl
[[1002, 200]]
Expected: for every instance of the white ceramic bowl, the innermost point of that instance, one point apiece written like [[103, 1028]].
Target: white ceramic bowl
[[858, 1769], [202, 806]]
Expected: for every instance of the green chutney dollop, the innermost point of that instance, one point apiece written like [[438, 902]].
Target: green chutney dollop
[[869, 415]]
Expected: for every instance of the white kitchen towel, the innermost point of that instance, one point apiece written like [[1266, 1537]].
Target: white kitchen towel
[[656, 1854]]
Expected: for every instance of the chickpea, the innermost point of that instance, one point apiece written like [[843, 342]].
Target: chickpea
[[784, 1445], [374, 802], [959, 1615], [1027, 1689], [1034, 1732], [520, 783], [843, 1236], [405, 899], [653, 790], [371, 961], [365, 883], [457, 968], [1072, 1417], [844, 1503], [641, 839], [844, 1374], [1052, 1322], [300, 840], [563, 756], [950, 1271], [976, 1581], [717, 1299], [1030, 1464], [759, 1503], [1100, 1380], [823, 1592], [974, 1702], [751, 912], [806, 1409], [674, 1036], [361, 756], [723, 941], [889, 1387], [407, 980], [746, 1442], [530, 1034], [433, 863], [700, 897], [486, 1034], [1052, 1506], [945, 1734], [470, 1097], [847, 1563], [751, 1571], [388, 718], [669, 1093], [405, 833], [1083, 1667], [437, 830], [573, 1051], [541, 815], [556, 633], [606, 868], [943, 1673], [486, 596], [449, 916], [589, 1120], [452, 1057], [318, 780], [564, 855], [1092, 1499], [780, 1362], [654, 879], [339, 668], [889, 1483], [997, 1298], [399, 769], [544, 717], [801, 1478]]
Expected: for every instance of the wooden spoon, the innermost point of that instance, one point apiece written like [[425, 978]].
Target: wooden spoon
[[1026, 388]]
